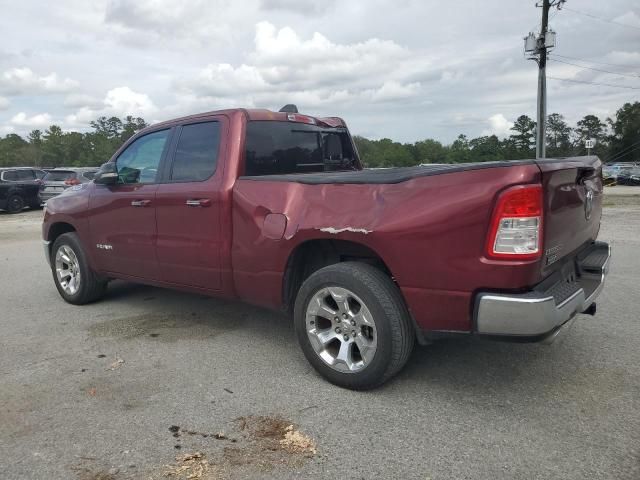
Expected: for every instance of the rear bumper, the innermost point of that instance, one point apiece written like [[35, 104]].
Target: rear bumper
[[542, 311]]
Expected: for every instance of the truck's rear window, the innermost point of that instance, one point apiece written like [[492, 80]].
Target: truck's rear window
[[289, 147]]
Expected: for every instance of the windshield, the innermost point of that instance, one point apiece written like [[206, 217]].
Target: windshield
[[288, 147]]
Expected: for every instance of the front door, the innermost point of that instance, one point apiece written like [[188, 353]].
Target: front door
[[122, 220], [189, 207]]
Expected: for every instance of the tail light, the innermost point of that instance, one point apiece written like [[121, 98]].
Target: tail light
[[72, 181], [516, 225]]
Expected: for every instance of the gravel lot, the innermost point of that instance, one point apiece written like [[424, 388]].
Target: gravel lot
[[108, 391]]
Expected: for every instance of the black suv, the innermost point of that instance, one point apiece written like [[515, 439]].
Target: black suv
[[19, 188]]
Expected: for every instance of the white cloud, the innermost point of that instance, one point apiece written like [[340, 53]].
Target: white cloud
[[4, 103], [78, 100], [284, 67], [498, 125], [392, 90], [119, 102], [36, 121], [18, 81], [298, 7], [124, 101], [629, 18]]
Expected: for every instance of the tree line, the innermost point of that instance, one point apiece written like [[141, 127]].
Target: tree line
[[56, 148], [617, 139]]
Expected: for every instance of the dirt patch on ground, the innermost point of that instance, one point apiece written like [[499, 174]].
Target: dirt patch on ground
[[158, 326], [255, 443]]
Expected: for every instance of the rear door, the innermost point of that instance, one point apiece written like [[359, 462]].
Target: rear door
[[573, 205], [123, 216], [189, 206]]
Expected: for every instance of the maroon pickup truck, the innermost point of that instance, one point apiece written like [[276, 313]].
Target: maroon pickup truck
[[275, 209]]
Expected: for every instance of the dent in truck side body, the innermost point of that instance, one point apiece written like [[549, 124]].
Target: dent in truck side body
[[429, 231]]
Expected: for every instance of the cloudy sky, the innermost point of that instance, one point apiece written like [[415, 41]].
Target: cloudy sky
[[403, 69]]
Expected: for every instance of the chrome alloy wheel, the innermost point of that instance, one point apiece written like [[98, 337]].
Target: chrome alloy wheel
[[341, 329], [68, 270]]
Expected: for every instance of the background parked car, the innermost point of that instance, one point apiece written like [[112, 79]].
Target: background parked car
[[19, 188], [57, 180], [629, 176]]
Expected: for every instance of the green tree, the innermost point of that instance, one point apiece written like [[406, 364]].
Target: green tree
[[625, 133], [109, 127], [524, 138], [591, 127], [53, 151], [429, 151], [558, 136], [459, 151], [11, 150], [130, 126], [486, 149]]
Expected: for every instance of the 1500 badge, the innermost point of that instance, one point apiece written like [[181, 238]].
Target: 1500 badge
[[104, 246], [552, 253]]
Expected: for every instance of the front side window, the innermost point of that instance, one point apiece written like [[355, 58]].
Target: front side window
[[287, 147], [140, 161], [197, 152]]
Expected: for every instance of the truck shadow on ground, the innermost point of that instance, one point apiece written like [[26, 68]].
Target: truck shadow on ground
[[467, 363]]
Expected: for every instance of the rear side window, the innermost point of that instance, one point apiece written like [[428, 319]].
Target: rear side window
[[288, 147], [9, 176], [196, 155], [18, 175], [59, 176]]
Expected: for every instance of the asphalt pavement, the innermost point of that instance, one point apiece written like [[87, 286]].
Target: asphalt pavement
[[118, 389]]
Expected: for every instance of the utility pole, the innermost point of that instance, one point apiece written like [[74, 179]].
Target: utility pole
[[542, 83], [537, 48]]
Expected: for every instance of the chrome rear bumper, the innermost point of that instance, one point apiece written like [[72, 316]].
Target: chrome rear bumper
[[540, 313]]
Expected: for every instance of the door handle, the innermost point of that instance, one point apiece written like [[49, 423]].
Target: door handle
[[140, 203], [201, 202]]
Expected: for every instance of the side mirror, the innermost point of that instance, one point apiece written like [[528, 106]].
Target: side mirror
[[107, 174]]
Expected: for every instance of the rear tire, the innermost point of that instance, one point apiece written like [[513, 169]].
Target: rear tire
[[353, 325], [74, 279], [15, 203]]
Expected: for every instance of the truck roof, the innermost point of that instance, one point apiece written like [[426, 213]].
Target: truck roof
[[262, 114]]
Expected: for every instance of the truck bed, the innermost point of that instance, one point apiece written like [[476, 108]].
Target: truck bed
[[382, 175]]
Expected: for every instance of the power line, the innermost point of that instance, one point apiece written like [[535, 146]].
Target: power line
[[590, 15], [593, 61], [623, 151], [618, 157], [594, 83], [632, 75]]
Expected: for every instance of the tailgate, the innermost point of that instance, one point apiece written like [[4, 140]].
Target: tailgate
[[572, 192]]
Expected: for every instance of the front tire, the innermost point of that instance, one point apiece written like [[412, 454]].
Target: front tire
[[353, 326], [74, 279]]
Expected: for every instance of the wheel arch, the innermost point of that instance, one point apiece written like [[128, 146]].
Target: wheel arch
[[314, 254], [56, 229]]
